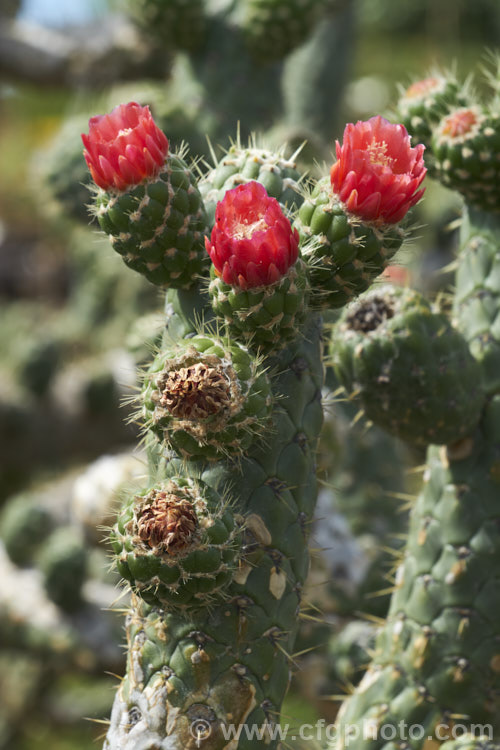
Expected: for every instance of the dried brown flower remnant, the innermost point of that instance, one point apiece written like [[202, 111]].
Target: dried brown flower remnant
[[372, 313], [194, 392], [167, 521]]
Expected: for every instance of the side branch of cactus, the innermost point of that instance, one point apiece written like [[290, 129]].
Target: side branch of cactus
[[437, 658]]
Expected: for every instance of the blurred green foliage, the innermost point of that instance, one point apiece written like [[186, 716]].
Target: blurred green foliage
[[460, 19]]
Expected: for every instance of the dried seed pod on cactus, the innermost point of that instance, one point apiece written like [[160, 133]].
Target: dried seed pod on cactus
[[176, 544], [411, 370], [205, 397]]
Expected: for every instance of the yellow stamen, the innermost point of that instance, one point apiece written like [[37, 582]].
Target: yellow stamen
[[246, 230], [377, 153]]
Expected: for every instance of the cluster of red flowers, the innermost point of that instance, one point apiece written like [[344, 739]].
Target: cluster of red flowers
[[377, 177]]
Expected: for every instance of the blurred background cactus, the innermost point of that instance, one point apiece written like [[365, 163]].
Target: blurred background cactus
[[76, 323]]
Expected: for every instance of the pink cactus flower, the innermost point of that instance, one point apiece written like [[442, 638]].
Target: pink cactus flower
[[252, 243], [377, 173], [460, 122], [423, 87], [124, 147]]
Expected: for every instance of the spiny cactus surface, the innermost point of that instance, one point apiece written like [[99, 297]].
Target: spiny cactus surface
[[215, 546], [435, 670]]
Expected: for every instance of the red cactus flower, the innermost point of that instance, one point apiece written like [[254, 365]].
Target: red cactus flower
[[377, 172], [125, 147], [252, 242]]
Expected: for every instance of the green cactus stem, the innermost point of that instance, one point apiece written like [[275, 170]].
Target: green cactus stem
[[266, 317], [24, 525], [470, 742], [437, 655], [465, 144], [344, 254], [477, 295], [158, 227], [227, 430], [425, 102]]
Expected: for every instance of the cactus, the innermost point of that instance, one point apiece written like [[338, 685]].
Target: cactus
[[24, 525], [215, 545], [411, 370], [180, 24], [240, 165], [177, 544], [422, 105], [258, 287], [63, 562], [238, 61], [436, 658], [271, 28], [348, 249]]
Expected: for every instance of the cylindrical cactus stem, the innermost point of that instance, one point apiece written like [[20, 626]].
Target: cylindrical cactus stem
[[177, 24], [191, 675], [465, 146], [322, 63], [206, 397], [437, 656], [24, 525], [477, 295], [422, 105], [227, 430], [216, 545], [272, 28], [177, 544]]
